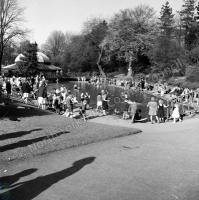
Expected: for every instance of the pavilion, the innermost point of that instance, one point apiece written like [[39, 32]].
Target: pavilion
[[44, 65]]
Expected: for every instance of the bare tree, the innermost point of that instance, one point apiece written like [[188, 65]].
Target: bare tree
[[55, 44], [95, 31], [11, 20]]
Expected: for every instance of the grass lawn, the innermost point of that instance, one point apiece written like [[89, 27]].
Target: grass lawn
[[27, 132]]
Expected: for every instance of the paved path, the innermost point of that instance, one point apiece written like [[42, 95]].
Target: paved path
[[161, 163]]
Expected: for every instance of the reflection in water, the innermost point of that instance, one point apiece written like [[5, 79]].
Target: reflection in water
[[116, 101]]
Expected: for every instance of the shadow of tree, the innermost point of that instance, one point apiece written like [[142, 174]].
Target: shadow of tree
[[25, 143], [17, 134], [30, 189]]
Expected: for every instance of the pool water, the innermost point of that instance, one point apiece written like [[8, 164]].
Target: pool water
[[114, 93]]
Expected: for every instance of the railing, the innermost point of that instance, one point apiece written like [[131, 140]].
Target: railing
[[189, 103]]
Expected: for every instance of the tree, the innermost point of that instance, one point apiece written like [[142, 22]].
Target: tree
[[55, 44], [29, 61], [187, 18], [166, 20], [95, 31], [11, 19], [131, 34], [166, 50]]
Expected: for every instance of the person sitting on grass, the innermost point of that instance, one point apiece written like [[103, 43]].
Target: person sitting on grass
[[82, 109]]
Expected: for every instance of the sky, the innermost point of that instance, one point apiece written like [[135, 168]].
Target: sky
[[44, 16]]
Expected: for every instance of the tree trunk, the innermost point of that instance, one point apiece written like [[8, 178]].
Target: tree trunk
[[130, 70], [1, 58], [98, 62]]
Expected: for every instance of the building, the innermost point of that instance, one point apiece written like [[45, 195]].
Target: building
[[44, 66]]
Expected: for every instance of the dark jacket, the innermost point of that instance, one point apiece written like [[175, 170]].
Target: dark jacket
[[26, 88], [42, 92]]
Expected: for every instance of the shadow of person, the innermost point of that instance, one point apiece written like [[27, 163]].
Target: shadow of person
[[24, 143], [32, 188], [9, 180], [17, 134]]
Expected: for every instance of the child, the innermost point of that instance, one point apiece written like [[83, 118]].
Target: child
[[82, 109], [126, 108], [99, 102], [176, 114]]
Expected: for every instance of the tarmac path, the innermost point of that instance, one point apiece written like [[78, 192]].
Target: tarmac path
[[161, 163]]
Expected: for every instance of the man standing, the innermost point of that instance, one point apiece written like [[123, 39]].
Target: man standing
[[26, 89]]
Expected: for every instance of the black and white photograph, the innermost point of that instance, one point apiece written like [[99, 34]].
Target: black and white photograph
[[99, 100]]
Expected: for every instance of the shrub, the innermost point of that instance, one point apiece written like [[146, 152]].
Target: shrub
[[192, 73], [113, 74], [183, 83]]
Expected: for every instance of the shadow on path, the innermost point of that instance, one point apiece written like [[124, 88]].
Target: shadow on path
[[9, 180], [17, 134], [25, 143], [28, 190]]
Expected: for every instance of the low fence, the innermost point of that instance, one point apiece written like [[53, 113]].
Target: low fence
[[188, 103]]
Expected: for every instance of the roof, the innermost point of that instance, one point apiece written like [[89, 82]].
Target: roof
[[44, 67], [41, 66], [41, 58]]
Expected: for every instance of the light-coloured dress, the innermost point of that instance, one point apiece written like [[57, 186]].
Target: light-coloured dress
[[176, 113], [153, 107]]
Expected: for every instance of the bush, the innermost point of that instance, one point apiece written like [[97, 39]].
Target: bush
[[183, 83], [192, 74], [113, 74], [139, 76], [175, 82]]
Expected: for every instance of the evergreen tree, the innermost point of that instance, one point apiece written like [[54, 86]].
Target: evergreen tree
[[187, 18], [29, 62], [166, 50], [166, 20]]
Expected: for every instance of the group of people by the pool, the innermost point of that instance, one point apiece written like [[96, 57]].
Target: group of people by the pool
[[63, 100]]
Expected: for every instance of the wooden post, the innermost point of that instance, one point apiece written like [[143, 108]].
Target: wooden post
[[197, 98], [168, 110]]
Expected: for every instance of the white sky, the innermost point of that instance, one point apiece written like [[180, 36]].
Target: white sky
[[44, 16]]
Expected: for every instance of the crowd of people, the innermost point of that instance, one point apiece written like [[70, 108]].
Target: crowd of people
[[62, 100], [25, 88]]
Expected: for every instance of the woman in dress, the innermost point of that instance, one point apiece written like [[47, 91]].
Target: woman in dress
[[153, 107], [161, 107]]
